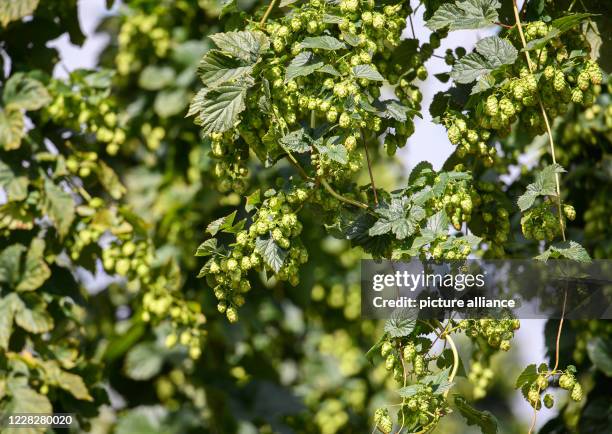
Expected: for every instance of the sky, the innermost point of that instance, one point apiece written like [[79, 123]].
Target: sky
[[429, 142]]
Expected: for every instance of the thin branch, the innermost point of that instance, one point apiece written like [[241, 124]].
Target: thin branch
[[341, 198], [267, 12], [559, 331], [506, 26], [545, 116], [367, 154], [535, 416], [557, 185], [295, 164], [412, 27]]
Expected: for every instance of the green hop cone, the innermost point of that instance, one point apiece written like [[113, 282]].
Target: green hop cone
[[232, 314], [419, 365], [533, 396], [577, 96], [566, 381], [390, 362], [576, 394], [549, 401], [386, 349], [491, 105], [549, 72], [383, 420], [454, 135], [559, 81], [542, 382], [569, 212]]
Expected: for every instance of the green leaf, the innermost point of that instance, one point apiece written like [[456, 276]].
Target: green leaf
[[484, 419], [544, 185], [227, 6], [221, 223], [297, 141], [401, 323], [439, 382], [36, 270], [9, 305], [398, 217], [217, 68], [221, 107], [12, 10], [558, 27], [75, 385], [483, 84], [328, 69], [59, 205], [245, 45], [600, 353], [491, 53], [367, 71], [143, 361], [10, 264], [26, 400], [566, 249], [197, 102], [35, 320], [302, 65], [447, 359], [170, 102], [207, 248], [156, 77], [102, 79], [410, 391], [381, 227], [528, 376], [142, 420], [334, 151], [271, 253], [593, 37], [421, 171], [497, 51], [570, 21], [374, 350], [21, 92], [109, 180], [322, 43], [16, 187], [395, 110], [332, 19], [438, 223], [11, 128], [470, 68], [467, 14], [253, 200]]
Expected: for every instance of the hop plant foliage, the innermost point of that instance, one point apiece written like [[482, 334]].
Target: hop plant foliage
[[295, 105]]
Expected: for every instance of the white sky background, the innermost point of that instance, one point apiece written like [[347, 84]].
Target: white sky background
[[429, 141]]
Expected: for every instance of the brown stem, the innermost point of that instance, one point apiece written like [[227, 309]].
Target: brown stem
[[341, 198], [544, 115], [559, 331], [295, 164], [534, 418], [267, 12], [367, 154]]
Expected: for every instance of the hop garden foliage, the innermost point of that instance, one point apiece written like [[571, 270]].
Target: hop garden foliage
[[218, 178]]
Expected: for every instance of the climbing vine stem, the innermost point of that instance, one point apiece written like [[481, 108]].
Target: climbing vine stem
[[267, 12], [544, 116]]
